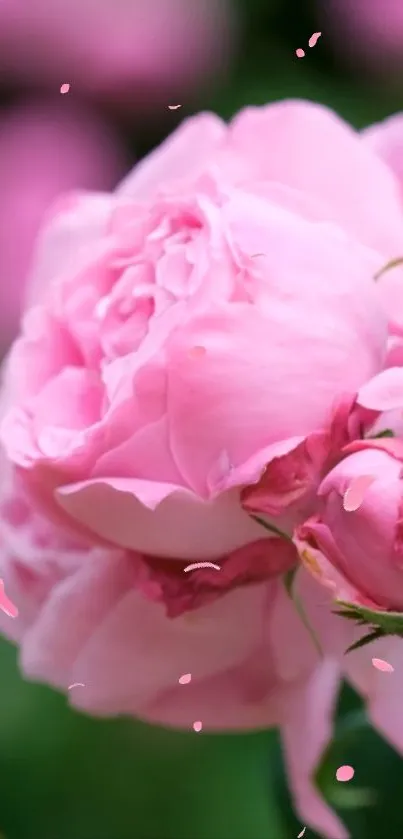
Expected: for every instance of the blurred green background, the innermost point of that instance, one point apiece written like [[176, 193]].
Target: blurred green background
[[66, 776]]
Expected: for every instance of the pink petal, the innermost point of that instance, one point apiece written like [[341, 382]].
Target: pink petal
[[159, 519], [6, 605], [382, 695], [345, 773], [354, 495], [384, 392], [314, 39], [382, 665], [67, 238], [286, 139], [385, 139], [305, 736], [181, 157]]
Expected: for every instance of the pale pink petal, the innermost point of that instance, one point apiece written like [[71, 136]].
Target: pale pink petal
[[386, 140], [146, 516], [384, 392], [248, 359], [307, 712], [181, 157], [74, 226], [382, 692], [307, 730], [390, 445], [307, 146]]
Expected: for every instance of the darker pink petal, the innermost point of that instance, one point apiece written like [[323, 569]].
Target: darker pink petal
[[167, 583]]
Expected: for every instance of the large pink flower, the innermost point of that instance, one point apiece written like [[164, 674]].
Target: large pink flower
[[207, 323], [215, 315]]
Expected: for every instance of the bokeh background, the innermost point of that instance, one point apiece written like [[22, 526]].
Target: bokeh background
[[63, 775]]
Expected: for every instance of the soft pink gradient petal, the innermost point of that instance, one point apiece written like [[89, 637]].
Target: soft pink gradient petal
[[308, 712], [305, 145], [160, 519], [67, 239], [181, 157], [305, 735], [384, 392], [386, 140], [248, 358]]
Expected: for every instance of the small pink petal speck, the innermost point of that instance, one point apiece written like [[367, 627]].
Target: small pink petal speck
[[197, 352], [6, 605], [382, 665], [354, 494], [185, 679], [345, 773], [299, 53], [197, 726], [302, 833], [65, 88], [174, 107], [314, 39]]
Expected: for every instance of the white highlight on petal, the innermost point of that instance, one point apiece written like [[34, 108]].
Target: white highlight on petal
[[202, 565]]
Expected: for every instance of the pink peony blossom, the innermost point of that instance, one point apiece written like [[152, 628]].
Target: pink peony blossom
[[215, 315], [45, 150]]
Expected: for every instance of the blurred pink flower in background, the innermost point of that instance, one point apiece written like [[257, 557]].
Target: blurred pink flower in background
[[45, 150], [368, 32], [149, 49]]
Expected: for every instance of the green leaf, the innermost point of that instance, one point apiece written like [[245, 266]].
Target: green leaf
[[352, 798]]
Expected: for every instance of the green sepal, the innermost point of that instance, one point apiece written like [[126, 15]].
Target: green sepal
[[391, 623], [289, 578], [386, 433], [381, 624], [367, 639]]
